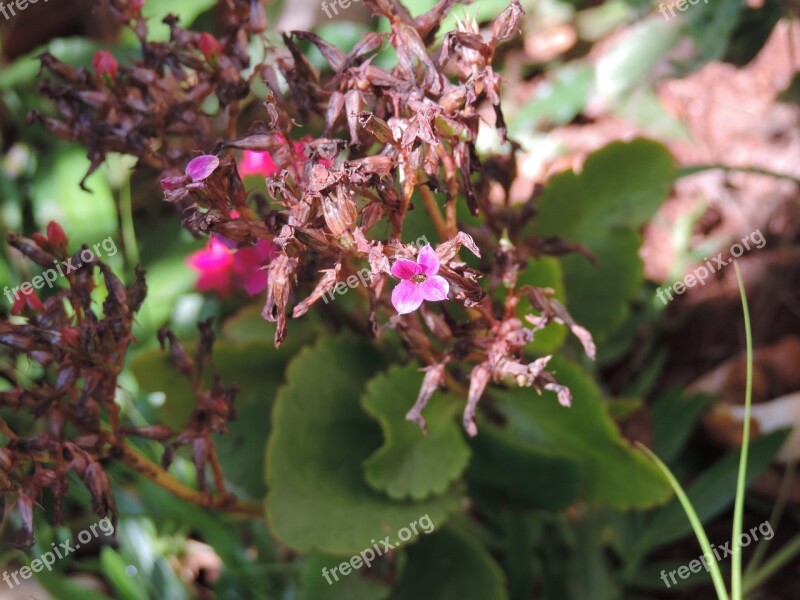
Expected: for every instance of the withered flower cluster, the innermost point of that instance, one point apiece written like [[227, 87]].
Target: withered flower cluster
[[72, 423], [390, 141]]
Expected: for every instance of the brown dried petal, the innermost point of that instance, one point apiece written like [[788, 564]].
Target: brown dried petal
[[434, 379], [479, 379], [507, 24], [329, 278]]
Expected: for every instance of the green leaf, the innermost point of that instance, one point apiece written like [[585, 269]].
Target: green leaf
[[507, 472], [711, 493], [600, 295], [621, 185], [124, 586], [612, 471], [711, 25], [413, 464], [619, 189], [645, 109], [558, 101], [186, 10], [674, 418], [87, 217], [450, 566], [64, 588], [631, 60], [318, 497]]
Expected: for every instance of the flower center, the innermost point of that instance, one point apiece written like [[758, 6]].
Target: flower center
[[418, 278]]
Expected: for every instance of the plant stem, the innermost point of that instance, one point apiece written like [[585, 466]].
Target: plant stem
[[6, 430], [774, 564], [697, 526], [128, 230], [145, 467], [738, 508], [433, 210], [774, 519]]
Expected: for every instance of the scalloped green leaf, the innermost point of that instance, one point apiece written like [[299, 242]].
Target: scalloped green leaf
[[620, 185], [600, 295], [619, 189], [450, 566], [613, 472], [413, 464], [318, 497]]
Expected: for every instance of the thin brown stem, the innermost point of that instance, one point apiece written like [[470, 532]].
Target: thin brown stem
[[6, 430], [434, 212], [148, 469]]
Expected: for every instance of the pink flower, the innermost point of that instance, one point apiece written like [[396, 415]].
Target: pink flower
[[248, 266], [262, 163], [223, 269], [257, 163], [201, 167], [104, 63], [420, 282], [214, 263]]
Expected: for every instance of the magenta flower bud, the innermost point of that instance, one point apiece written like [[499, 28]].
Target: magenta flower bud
[[201, 167], [104, 63]]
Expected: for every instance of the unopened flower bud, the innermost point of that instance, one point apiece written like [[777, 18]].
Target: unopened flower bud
[[210, 47], [105, 64]]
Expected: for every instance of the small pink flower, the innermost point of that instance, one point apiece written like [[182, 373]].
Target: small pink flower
[[224, 269], [420, 282], [201, 167], [213, 264], [257, 163], [249, 263]]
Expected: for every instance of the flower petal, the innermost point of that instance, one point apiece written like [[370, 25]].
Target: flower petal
[[405, 269], [256, 282], [257, 163], [201, 167], [406, 297], [428, 261], [435, 289]]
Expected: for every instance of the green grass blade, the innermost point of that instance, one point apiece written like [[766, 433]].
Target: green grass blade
[[738, 507], [697, 526], [776, 562]]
